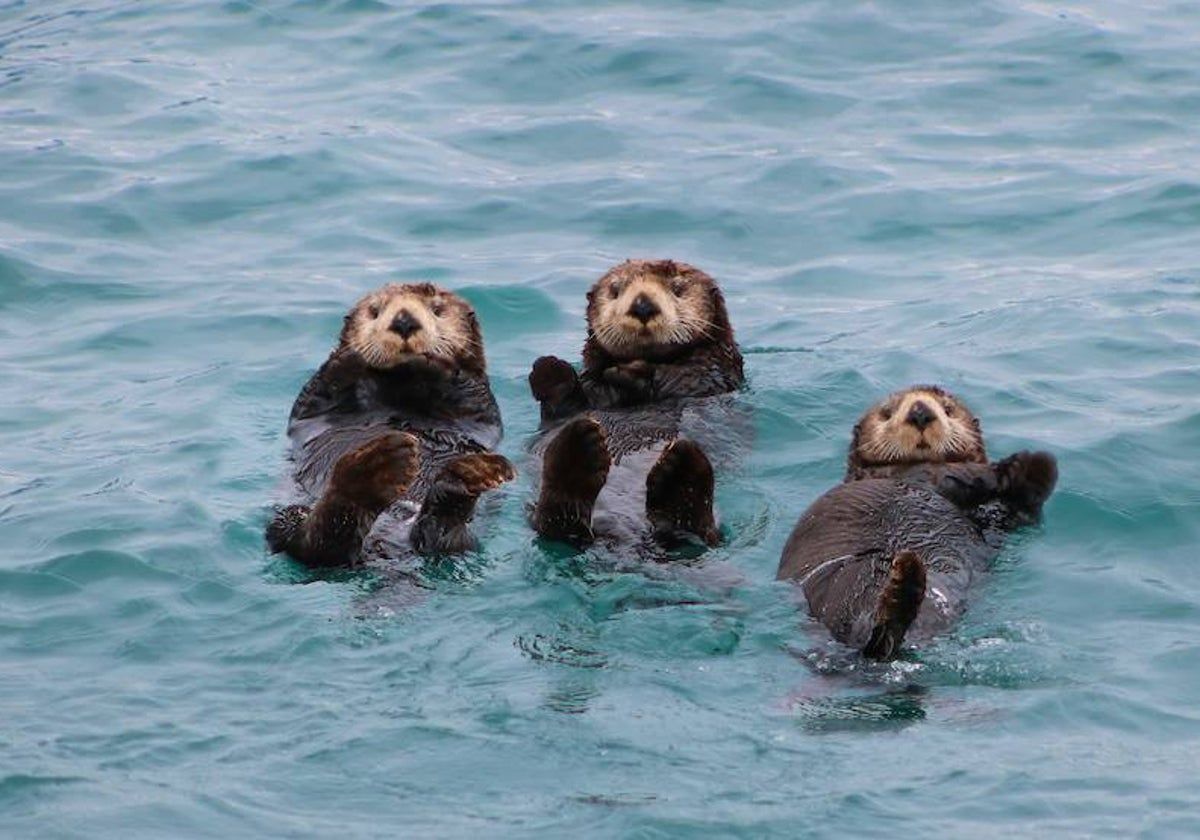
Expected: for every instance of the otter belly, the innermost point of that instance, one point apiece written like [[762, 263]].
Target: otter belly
[[841, 550]]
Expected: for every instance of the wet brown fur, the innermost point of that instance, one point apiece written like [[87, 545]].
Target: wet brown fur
[[658, 333], [691, 308], [449, 333], [401, 409], [885, 443], [921, 510]]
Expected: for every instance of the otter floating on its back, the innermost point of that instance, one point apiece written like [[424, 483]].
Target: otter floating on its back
[[893, 551], [396, 428], [636, 423]]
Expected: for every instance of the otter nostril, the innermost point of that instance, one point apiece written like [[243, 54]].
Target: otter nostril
[[920, 415], [643, 308], [405, 324]]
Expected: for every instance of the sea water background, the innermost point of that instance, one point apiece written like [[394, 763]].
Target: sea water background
[[1003, 197]]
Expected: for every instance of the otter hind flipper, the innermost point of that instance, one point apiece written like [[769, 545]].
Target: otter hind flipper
[[362, 484], [441, 526], [679, 493], [898, 605], [286, 526], [574, 471]]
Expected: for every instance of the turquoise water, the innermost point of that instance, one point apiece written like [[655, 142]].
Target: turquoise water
[[1002, 197]]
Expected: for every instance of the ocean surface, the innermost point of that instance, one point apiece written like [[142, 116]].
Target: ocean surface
[[1002, 197]]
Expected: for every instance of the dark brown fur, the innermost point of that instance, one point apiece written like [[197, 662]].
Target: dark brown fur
[[895, 548], [401, 410], [659, 336]]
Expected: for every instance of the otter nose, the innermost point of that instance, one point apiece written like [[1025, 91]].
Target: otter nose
[[643, 308], [920, 415], [405, 324]]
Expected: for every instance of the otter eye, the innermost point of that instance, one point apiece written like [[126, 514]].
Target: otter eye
[[886, 412], [373, 310], [678, 286], [437, 309], [949, 409], [614, 291]]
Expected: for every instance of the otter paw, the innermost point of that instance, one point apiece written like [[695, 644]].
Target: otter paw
[[1027, 479], [285, 527], [479, 472], [636, 377], [552, 379], [679, 492], [898, 606], [573, 472], [376, 473], [577, 460]]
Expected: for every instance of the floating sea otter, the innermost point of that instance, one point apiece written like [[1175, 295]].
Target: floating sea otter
[[637, 421], [393, 434], [895, 548]]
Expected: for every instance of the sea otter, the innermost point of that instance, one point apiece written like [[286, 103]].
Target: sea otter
[[635, 424], [892, 552], [393, 434]]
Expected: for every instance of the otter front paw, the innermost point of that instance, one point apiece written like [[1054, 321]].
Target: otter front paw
[[1026, 479], [552, 379], [635, 378]]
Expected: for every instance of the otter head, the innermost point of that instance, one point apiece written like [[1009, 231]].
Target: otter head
[[410, 323], [919, 425], [654, 309]]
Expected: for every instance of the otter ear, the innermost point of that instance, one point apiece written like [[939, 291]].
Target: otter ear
[[477, 361], [720, 314], [979, 439], [853, 460], [347, 323]]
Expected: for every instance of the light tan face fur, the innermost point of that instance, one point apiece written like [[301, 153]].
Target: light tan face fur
[[919, 425], [402, 322], [634, 312]]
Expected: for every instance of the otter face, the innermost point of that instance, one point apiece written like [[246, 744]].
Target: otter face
[[644, 308], [919, 425], [402, 323]]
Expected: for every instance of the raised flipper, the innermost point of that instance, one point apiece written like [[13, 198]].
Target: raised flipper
[[898, 606], [556, 387], [441, 526], [573, 472], [363, 483], [679, 493]]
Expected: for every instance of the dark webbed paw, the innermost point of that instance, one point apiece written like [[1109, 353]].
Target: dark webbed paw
[[378, 472], [898, 606], [679, 493], [555, 385], [552, 379], [477, 473], [1026, 479], [286, 526], [573, 473], [441, 526], [363, 483], [635, 378]]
